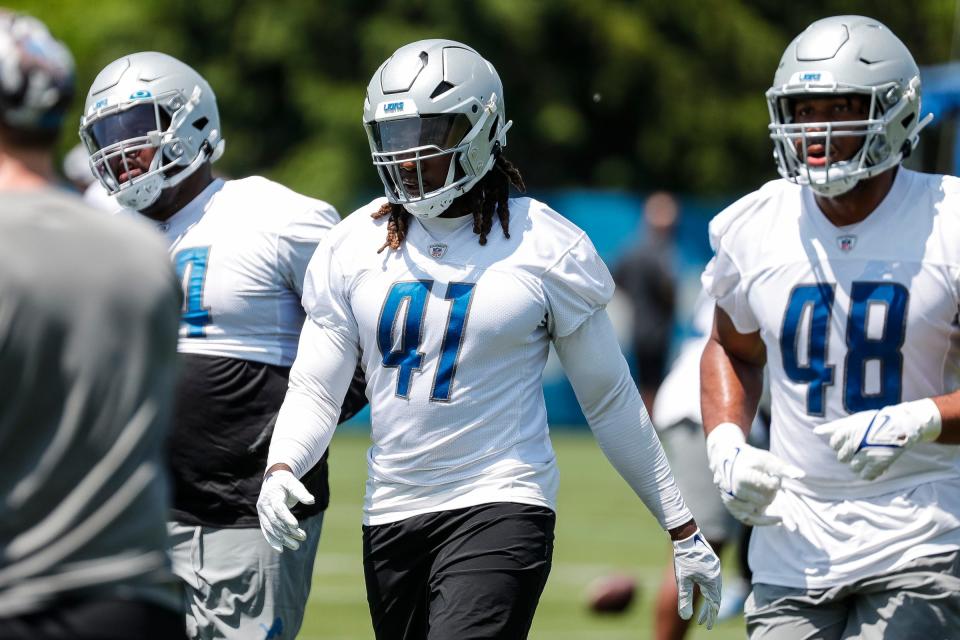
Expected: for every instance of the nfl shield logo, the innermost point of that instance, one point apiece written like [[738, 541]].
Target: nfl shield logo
[[437, 250], [847, 243]]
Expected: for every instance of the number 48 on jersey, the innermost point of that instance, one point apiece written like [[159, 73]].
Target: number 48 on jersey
[[811, 306]]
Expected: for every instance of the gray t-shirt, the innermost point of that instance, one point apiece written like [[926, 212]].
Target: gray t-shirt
[[89, 311]]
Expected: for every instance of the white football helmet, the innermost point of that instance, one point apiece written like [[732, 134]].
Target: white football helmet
[[145, 100], [837, 56], [430, 99]]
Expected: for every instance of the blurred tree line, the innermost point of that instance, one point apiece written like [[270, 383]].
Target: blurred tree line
[[622, 94]]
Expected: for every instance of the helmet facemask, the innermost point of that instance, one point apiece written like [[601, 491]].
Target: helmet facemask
[[890, 120]]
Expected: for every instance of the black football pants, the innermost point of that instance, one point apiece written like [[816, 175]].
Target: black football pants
[[468, 574]]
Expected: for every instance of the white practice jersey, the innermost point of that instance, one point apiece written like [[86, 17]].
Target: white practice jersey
[[453, 338], [853, 318], [241, 249]]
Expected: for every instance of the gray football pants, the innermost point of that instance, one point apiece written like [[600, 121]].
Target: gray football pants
[[919, 600], [236, 586]]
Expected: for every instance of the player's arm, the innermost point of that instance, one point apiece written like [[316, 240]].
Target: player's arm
[[319, 379], [949, 407], [731, 375], [731, 382], [619, 421]]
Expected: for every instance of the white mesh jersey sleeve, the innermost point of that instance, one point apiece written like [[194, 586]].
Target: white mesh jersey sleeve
[[325, 289], [298, 239], [576, 286], [321, 374], [617, 417]]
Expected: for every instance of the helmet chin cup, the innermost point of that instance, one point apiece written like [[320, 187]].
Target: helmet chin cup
[[139, 194], [834, 187], [431, 207]]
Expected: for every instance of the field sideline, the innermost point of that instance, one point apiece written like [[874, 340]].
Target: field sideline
[[602, 527]]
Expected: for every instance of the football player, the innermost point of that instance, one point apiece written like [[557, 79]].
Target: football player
[[88, 322], [844, 279], [449, 293], [240, 248]]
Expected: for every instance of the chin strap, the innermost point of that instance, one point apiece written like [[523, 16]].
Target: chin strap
[[910, 143]]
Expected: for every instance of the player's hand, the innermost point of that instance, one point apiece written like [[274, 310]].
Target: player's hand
[[748, 478], [694, 562], [870, 441], [280, 491]]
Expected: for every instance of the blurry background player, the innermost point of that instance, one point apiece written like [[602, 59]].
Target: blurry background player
[[76, 168], [452, 321], [240, 248], [844, 279], [88, 322], [647, 276]]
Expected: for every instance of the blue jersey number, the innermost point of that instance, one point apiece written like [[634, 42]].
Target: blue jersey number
[[885, 349], [195, 315], [408, 358], [814, 304]]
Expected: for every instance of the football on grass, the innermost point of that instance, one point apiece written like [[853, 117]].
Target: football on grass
[[611, 594]]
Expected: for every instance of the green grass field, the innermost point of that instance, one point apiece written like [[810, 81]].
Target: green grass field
[[601, 527]]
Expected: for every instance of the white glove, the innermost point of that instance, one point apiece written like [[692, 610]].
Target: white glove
[[870, 441], [694, 562], [280, 491], [748, 478]]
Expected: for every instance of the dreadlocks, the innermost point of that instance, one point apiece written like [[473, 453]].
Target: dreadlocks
[[486, 199]]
